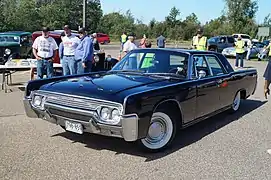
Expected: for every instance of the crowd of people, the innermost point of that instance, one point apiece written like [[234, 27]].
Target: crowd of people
[[75, 53]]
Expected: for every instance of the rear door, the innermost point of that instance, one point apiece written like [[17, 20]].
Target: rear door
[[207, 88]]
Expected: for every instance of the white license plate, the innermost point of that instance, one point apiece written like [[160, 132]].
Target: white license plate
[[74, 127]]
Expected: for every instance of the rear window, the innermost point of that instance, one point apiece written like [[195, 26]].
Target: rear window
[[214, 39]]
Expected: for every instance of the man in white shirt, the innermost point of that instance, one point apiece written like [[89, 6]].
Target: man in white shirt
[[44, 49], [129, 45], [70, 42]]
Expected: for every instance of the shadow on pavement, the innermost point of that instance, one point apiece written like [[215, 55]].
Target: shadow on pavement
[[186, 137]]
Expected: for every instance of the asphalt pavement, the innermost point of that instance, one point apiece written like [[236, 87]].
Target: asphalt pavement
[[235, 146]]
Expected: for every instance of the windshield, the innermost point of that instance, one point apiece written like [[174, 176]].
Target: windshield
[[9, 39], [166, 63]]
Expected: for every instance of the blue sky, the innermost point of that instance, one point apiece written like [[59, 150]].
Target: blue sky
[[158, 9]]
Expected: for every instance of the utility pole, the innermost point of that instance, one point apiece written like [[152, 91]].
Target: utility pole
[[84, 13]]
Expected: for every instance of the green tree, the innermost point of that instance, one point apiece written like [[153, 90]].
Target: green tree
[[240, 14]]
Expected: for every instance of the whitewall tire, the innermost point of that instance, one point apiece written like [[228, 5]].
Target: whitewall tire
[[161, 132]]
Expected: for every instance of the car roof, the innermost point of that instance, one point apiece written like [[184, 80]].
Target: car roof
[[186, 51], [16, 33]]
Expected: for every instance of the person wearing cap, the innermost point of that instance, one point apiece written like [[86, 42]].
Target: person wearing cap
[[267, 73], [129, 45], [84, 53], [44, 50], [199, 41], [70, 42], [96, 45]]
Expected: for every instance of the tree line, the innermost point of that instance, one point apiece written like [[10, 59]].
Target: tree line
[[31, 15]]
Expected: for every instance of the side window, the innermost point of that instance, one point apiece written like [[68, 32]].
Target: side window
[[148, 60], [199, 66], [222, 39], [230, 40], [215, 66]]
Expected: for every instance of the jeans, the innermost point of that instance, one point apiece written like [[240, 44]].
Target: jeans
[[80, 69], [69, 65], [44, 66], [241, 57]]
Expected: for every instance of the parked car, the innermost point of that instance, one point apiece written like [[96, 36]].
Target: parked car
[[219, 43], [103, 38], [257, 48], [244, 37], [15, 45], [147, 97]]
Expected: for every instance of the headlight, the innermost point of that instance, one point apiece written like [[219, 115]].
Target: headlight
[[96, 58], [105, 113], [38, 101], [115, 115], [7, 51], [110, 116]]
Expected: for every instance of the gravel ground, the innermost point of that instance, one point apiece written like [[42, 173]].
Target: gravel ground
[[223, 147]]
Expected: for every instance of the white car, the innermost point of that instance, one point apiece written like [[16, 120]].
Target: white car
[[244, 37]]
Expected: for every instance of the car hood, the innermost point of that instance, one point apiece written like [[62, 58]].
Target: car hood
[[105, 86]]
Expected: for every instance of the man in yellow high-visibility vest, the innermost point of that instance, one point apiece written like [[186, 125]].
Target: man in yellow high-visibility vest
[[267, 73], [240, 51], [123, 39], [199, 41]]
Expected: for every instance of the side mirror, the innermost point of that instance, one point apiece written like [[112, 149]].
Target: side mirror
[[202, 74]]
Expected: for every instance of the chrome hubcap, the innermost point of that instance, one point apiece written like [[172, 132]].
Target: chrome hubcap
[[160, 131], [236, 102], [157, 131]]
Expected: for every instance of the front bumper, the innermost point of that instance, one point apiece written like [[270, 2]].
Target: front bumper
[[128, 130]]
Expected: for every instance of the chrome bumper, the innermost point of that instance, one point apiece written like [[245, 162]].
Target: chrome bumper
[[128, 129]]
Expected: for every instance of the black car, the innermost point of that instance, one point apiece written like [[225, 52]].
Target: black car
[[219, 43], [147, 97], [15, 45]]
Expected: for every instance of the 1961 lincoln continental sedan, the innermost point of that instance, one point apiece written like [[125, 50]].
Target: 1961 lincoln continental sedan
[[146, 97]]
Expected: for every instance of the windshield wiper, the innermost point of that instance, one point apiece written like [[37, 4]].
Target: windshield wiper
[[129, 71], [171, 75]]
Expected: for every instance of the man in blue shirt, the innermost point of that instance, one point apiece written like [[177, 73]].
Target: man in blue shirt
[[84, 53], [161, 41]]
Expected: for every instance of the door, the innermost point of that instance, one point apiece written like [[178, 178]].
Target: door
[[222, 43], [207, 96]]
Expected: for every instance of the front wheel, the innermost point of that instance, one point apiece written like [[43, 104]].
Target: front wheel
[[161, 133], [236, 102]]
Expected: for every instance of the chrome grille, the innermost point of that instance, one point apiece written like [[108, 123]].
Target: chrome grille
[[76, 101]]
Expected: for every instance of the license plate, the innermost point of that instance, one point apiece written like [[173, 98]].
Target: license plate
[[74, 127]]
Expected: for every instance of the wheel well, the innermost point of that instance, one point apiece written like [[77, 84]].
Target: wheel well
[[243, 94], [171, 107]]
